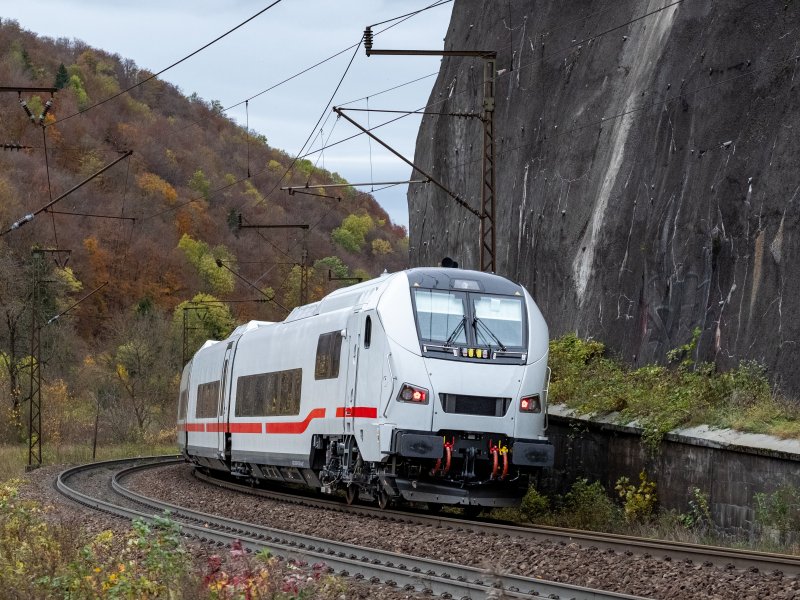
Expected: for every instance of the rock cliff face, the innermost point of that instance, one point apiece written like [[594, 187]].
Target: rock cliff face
[[648, 176]]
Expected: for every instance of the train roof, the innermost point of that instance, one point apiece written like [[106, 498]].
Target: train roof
[[426, 277], [443, 278]]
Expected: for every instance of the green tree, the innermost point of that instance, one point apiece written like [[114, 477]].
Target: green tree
[[204, 258], [206, 318], [80, 92], [62, 77], [200, 184], [334, 264], [351, 234]]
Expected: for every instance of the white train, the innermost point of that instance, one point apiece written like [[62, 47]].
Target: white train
[[427, 385]]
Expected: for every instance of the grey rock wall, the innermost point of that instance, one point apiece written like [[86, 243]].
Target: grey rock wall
[[648, 179]]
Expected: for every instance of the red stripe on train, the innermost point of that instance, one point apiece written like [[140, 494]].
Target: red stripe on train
[[194, 427], [295, 427], [363, 412]]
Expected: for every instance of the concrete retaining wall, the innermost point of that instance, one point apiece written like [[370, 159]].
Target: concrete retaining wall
[[729, 473]]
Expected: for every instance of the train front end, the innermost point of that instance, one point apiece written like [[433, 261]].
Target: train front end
[[470, 400]]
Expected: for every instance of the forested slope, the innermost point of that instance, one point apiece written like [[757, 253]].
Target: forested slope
[[174, 203]]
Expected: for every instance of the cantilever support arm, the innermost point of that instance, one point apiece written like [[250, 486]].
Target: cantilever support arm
[[453, 195]]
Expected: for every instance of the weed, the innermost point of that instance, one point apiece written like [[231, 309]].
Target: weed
[[638, 503], [780, 511], [699, 516]]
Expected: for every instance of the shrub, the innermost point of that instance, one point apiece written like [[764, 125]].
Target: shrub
[[534, 506], [779, 510], [587, 506], [638, 503]]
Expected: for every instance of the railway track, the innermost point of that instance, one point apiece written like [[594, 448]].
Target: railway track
[[670, 551], [410, 573]]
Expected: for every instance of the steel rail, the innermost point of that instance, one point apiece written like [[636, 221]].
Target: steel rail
[[375, 565], [673, 551]]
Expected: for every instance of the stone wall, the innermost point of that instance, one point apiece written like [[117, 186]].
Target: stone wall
[[647, 170], [729, 475]]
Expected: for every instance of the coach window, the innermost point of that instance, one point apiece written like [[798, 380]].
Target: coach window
[[367, 332], [329, 346], [269, 394], [182, 404], [207, 400]]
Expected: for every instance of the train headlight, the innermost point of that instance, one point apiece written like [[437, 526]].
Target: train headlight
[[530, 404], [410, 393]]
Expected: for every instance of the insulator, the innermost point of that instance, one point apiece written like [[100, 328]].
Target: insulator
[[368, 39], [27, 110], [26, 219], [47, 106]]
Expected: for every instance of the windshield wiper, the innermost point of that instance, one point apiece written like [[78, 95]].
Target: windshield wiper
[[477, 321], [452, 337]]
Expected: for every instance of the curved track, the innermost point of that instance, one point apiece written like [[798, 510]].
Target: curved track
[[376, 566], [676, 551]]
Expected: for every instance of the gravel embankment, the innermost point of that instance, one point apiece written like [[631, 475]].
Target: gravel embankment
[[648, 577]]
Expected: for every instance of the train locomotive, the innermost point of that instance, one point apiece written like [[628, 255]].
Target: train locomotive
[[427, 385]]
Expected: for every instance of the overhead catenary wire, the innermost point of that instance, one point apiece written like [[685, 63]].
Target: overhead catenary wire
[[165, 69]]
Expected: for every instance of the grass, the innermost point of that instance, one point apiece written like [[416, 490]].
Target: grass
[[14, 458], [662, 398]]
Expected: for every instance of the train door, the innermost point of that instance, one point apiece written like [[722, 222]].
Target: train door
[[354, 324], [224, 403], [370, 366]]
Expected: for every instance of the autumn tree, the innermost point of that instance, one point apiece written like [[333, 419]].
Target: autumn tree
[[352, 233], [142, 367], [204, 258]]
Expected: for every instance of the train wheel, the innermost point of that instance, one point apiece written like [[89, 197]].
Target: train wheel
[[383, 499], [434, 507], [351, 494]]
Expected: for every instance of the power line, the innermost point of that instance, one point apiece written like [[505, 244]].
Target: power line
[[165, 69]]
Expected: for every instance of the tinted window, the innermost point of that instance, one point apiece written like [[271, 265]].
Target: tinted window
[[368, 332], [329, 347], [207, 400], [269, 394]]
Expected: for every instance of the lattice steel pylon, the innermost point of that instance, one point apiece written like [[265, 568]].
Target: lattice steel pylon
[[35, 389], [488, 232]]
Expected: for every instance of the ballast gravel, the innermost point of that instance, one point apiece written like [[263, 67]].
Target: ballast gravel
[[650, 577], [635, 574]]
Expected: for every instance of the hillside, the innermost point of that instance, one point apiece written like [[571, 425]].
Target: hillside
[[647, 179], [154, 225]]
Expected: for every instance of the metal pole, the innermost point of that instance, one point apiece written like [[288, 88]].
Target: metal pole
[[453, 195], [488, 234], [35, 389], [304, 276]]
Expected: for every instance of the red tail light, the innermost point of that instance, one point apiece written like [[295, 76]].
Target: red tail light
[[410, 393], [530, 404]]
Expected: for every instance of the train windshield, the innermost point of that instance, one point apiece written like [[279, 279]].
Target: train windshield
[[441, 316], [498, 321], [460, 323]]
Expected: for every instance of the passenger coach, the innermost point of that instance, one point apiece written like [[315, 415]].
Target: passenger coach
[[426, 385]]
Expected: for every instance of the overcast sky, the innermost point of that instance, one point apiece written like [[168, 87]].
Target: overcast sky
[[286, 39]]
